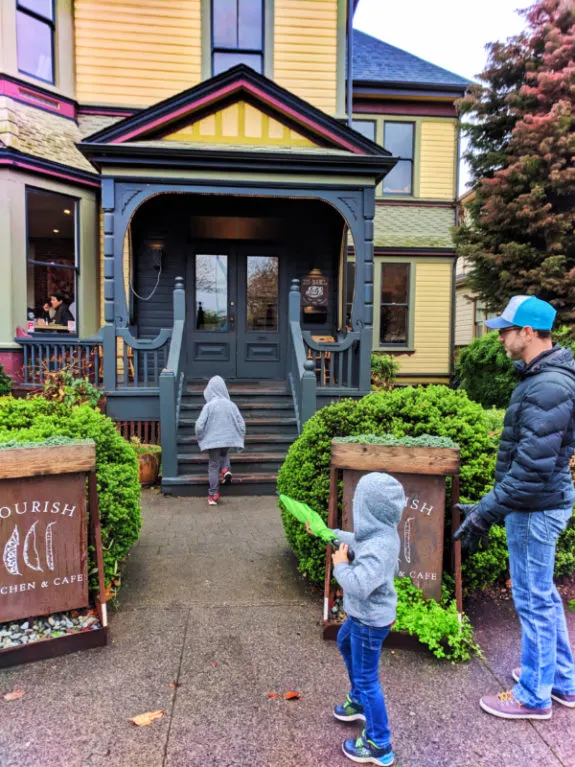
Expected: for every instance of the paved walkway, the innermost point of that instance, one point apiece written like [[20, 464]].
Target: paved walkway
[[211, 602]]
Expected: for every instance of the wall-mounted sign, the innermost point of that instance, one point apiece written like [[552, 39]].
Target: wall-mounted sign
[[314, 290]]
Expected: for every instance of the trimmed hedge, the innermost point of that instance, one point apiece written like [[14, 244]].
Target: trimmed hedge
[[36, 420]]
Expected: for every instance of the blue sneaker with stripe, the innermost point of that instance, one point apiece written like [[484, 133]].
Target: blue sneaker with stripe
[[363, 751], [349, 712]]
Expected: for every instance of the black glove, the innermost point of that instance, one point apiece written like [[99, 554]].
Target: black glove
[[474, 529]]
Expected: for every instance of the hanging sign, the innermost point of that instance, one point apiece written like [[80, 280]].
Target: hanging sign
[[314, 291]]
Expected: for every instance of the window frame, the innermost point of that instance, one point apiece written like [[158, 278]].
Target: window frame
[[214, 49], [76, 266], [370, 120], [388, 259], [49, 22], [411, 159]]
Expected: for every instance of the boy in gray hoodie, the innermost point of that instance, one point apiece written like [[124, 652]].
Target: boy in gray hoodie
[[219, 427], [369, 600]]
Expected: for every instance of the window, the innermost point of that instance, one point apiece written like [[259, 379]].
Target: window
[[237, 34], [394, 306], [481, 314], [52, 258], [35, 38], [398, 138], [365, 127]]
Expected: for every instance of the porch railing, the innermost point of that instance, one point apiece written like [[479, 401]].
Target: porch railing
[[336, 363], [140, 360], [172, 384], [42, 356], [301, 373]]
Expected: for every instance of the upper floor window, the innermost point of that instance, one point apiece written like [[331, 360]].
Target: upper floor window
[[398, 138], [365, 127], [35, 38], [237, 34]]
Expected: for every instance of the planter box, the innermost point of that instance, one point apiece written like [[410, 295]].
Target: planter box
[[422, 472]]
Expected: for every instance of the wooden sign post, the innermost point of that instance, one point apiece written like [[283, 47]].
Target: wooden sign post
[[45, 533], [422, 472]]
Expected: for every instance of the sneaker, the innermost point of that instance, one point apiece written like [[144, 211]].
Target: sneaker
[[363, 751], [213, 499], [506, 706], [565, 700], [349, 712], [226, 477]]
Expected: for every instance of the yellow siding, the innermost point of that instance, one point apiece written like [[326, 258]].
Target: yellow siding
[[432, 320], [136, 52], [305, 50], [240, 123], [437, 160], [464, 316]]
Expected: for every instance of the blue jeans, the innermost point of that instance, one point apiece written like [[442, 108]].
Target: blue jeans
[[218, 460], [546, 656], [360, 646]]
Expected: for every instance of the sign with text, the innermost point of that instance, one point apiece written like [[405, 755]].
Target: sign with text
[[420, 529], [43, 545], [314, 291]]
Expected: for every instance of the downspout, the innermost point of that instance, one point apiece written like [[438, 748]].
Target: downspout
[[349, 67]]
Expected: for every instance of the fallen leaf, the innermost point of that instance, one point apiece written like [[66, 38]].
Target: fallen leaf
[[174, 684], [14, 695], [293, 695], [274, 695], [143, 720]]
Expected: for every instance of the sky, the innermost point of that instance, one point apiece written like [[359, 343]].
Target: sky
[[449, 33]]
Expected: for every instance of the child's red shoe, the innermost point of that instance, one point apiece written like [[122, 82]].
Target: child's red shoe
[[213, 499]]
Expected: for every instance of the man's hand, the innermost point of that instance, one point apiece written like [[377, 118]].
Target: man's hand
[[474, 530], [340, 555]]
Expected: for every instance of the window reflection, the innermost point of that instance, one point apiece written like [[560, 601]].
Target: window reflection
[[262, 293], [211, 292]]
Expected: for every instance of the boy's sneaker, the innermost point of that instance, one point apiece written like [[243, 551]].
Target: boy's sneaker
[[506, 706], [364, 751], [213, 499], [226, 477], [349, 712], [565, 700]]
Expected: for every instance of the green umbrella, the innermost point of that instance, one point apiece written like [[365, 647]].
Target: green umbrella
[[303, 513]]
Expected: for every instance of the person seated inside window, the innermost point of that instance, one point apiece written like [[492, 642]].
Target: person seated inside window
[[62, 314], [46, 315]]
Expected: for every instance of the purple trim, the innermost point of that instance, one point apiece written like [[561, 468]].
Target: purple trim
[[45, 172], [416, 203], [107, 111], [34, 97], [232, 88]]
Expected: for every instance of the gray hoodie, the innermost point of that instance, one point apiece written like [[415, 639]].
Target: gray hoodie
[[220, 423], [368, 588]]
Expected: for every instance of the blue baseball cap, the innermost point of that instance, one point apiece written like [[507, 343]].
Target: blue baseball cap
[[522, 311]]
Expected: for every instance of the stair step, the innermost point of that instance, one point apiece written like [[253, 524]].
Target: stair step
[[253, 421], [252, 405], [249, 439], [235, 457], [197, 485]]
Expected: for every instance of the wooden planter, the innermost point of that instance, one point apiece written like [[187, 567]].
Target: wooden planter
[[45, 534], [422, 472]]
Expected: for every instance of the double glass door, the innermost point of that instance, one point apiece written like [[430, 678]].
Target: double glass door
[[238, 323]]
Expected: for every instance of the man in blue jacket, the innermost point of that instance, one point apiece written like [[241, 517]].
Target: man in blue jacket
[[534, 495]]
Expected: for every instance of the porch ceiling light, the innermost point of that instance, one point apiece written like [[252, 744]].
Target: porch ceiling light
[[67, 212], [56, 231]]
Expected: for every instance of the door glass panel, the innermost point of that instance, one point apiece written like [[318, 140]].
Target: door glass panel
[[262, 294], [211, 292]]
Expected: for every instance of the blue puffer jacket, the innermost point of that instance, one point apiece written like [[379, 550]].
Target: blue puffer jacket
[[532, 470]]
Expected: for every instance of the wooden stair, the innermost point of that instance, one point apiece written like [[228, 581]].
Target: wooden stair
[[271, 427]]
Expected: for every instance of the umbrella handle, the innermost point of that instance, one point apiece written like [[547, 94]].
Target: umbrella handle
[[336, 543]]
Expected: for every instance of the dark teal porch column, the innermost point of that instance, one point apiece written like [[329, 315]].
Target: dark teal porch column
[[109, 329], [366, 341]]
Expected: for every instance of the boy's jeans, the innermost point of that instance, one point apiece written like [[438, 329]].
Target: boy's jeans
[[546, 657], [218, 459], [360, 646]]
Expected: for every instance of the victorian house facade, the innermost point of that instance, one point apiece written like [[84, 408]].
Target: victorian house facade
[[210, 192]]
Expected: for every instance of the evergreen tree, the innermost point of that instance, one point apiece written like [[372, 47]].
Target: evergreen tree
[[520, 234]]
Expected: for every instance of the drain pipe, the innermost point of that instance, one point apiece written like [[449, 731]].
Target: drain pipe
[[349, 66]]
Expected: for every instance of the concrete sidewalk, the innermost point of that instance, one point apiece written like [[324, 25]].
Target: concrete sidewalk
[[212, 602]]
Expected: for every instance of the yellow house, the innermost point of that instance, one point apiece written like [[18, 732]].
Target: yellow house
[[198, 187]]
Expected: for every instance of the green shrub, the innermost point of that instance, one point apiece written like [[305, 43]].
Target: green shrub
[[384, 370], [68, 387], [405, 412], [5, 382], [486, 372], [36, 420]]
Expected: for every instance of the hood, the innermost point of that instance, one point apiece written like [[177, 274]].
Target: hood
[[216, 388], [378, 503], [558, 358]]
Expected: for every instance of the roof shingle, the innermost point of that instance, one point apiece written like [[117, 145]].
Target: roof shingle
[[377, 62]]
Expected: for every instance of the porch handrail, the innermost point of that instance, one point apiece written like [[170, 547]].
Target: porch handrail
[[172, 384], [300, 370], [335, 362], [143, 359]]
